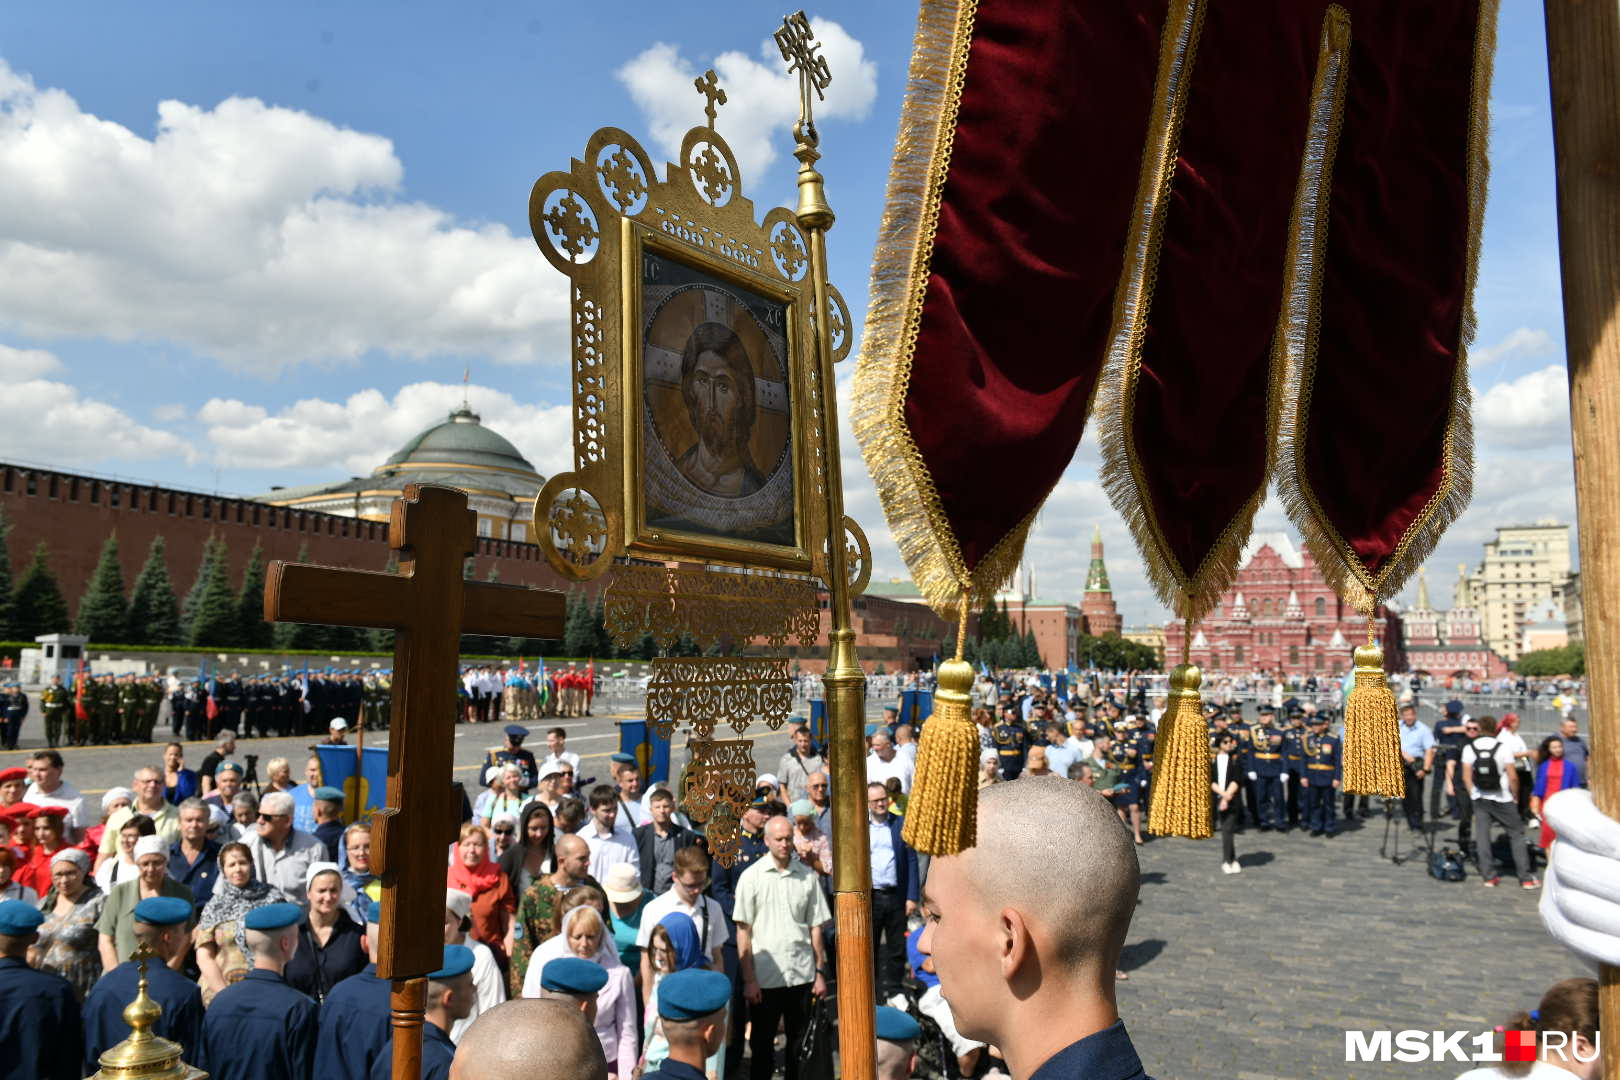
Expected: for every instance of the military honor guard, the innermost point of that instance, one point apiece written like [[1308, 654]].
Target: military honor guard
[[260, 1028], [692, 1012], [1012, 743], [40, 1030], [160, 924], [1293, 747], [13, 710], [1324, 771], [354, 1017], [54, 703], [1266, 771], [450, 997], [514, 753]]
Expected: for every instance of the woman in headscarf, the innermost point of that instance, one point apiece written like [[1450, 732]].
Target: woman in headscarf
[[493, 902], [222, 953], [675, 946], [331, 945], [584, 934], [113, 800], [67, 942], [354, 856], [117, 923]]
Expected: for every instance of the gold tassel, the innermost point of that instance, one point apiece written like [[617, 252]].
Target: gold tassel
[[1372, 738], [942, 815], [1178, 803]]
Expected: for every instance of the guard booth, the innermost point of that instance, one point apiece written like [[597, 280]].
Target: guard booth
[[58, 654]]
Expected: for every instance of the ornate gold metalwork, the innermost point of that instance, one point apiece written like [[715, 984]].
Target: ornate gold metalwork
[[722, 831], [710, 606], [709, 87], [144, 1054], [705, 691], [719, 784]]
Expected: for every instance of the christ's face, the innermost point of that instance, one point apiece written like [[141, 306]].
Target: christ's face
[[715, 402]]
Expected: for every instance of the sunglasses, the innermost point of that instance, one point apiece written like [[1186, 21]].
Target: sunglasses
[[271, 817], [503, 832]]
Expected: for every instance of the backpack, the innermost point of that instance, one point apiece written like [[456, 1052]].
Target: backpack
[[1446, 865], [1487, 771]]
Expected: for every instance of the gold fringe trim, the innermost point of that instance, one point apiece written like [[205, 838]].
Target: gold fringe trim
[[1189, 595], [900, 264], [1178, 801], [1340, 566]]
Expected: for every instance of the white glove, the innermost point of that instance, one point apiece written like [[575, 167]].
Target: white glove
[[1580, 900], [1254, 776]]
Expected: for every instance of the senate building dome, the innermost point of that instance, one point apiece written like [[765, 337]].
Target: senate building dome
[[459, 452]]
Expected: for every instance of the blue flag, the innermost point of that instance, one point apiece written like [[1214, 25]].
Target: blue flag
[[363, 794], [641, 741]]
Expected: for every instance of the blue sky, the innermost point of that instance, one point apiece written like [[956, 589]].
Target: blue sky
[[243, 247]]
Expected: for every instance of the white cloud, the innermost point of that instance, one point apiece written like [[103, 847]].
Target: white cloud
[[50, 421], [358, 433], [1531, 411], [260, 235], [1524, 341], [169, 413], [762, 97]]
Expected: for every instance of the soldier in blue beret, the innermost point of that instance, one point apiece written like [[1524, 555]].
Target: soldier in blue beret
[[160, 924], [354, 1017], [897, 1035], [513, 753], [692, 1012], [450, 997], [260, 1028], [40, 1033], [575, 981], [328, 805]]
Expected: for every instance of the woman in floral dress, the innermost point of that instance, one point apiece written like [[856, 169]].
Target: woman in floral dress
[[68, 943]]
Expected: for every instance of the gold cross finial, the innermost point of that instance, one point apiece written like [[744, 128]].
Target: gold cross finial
[[709, 87], [798, 45]]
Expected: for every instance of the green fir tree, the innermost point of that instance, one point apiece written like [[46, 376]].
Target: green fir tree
[[579, 626], [252, 631], [37, 601], [154, 610], [214, 619], [212, 548], [103, 609]]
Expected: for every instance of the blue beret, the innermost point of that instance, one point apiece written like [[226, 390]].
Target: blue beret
[[458, 960], [19, 919], [571, 975], [896, 1026], [692, 994], [162, 911], [227, 766], [273, 917], [327, 793], [374, 912], [517, 731], [625, 759]]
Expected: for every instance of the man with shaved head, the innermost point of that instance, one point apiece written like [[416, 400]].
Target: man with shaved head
[[1025, 930], [530, 1039]]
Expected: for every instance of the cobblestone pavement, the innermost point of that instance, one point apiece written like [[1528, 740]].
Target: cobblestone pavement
[[1257, 976]]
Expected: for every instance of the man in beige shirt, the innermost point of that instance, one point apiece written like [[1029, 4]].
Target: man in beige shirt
[[149, 801], [779, 912]]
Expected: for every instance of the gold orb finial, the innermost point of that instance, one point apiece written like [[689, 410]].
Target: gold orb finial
[[144, 1054], [1186, 679], [1370, 657]]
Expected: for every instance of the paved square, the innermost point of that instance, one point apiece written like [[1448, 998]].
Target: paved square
[[1256, 976]]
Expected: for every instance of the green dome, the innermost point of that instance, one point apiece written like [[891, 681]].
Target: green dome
[[460, 440]]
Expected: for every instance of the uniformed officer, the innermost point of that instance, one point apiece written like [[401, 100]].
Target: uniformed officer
[[1324, 772], [1244, 732], [14, 710], [107, 710], [354, 1016], [691, 1010], [128, 698], [897, 1035], [84, 711], [513, 753], [575, 982], [1293, 747], [40, 1033], [53, 703], [450, 997], [1266, 769], [1012, 743], [1124, 757], [160, 924], [261, 1028]]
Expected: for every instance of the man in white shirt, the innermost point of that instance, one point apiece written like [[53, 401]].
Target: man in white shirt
[[557, 750], [884, 762], [609, 847], [905, 742], [281, 853], [1493, 783], [686, 895], [47, 788]]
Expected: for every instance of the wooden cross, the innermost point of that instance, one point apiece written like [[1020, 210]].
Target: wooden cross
[[709, 87], [429, 605]]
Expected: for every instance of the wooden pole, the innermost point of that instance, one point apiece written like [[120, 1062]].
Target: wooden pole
[[1583, 60]]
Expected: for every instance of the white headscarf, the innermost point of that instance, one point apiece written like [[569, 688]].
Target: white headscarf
[[556, 947]]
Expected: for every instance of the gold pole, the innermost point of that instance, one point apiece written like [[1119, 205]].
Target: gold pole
[[844, 680], [1583, 60]]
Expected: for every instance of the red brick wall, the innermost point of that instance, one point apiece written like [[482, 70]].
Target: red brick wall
[[75, 514]]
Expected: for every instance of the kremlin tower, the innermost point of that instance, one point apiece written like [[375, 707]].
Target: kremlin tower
[[1097, 607]]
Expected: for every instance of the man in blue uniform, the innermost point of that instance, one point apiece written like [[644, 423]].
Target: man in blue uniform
[[260, 1028], [40, 1033], [450, 997], [505, 1043], [1293, 750], [514, 753], [160, 924], [1012, 743], [1265, 769], [354, 1017], [691, 1006], [574, 982], [897, 1035], [1324, 772], [1244, 733], [723, 887]]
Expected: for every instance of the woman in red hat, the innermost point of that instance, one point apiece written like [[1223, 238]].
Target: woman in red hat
[[13, 782], [50, 836]]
